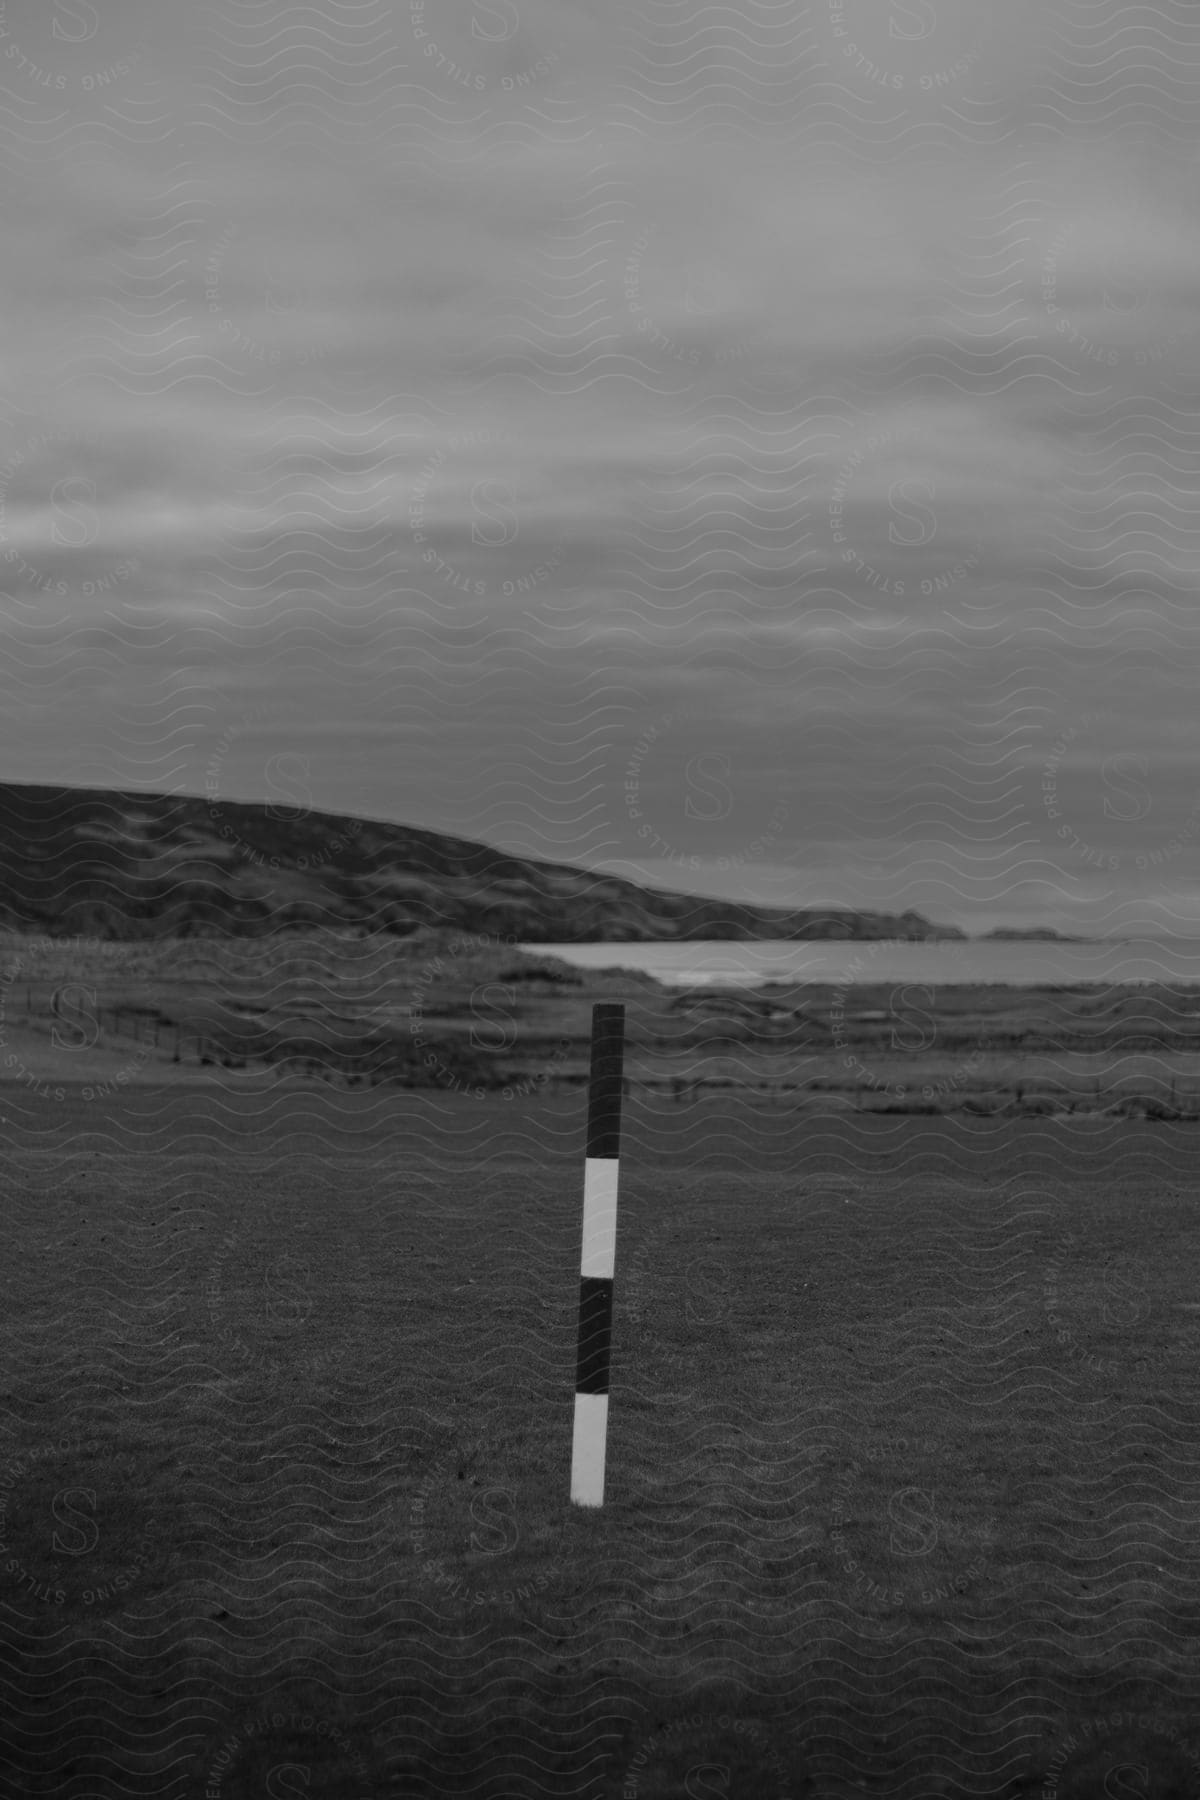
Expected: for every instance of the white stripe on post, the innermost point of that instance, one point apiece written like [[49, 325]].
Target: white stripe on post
[[588, 1449], [599, 1217]]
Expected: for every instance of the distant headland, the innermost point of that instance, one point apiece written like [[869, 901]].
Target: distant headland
[[129, 865]]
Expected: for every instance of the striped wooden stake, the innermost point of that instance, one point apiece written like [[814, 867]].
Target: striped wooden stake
[[598, 1256]]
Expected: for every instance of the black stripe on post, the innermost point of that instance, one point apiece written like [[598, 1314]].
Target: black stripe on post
[[604, 1085], [595, 1335]]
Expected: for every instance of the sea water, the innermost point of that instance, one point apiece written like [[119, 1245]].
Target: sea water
[[948, 961]]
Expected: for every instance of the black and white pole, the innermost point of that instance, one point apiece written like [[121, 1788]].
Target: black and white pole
[[598, 1256]]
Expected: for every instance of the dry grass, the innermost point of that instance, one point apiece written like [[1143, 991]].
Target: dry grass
[[461, 1012], [866, 1498]]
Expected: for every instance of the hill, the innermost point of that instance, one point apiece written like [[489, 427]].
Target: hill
[[127, 866]]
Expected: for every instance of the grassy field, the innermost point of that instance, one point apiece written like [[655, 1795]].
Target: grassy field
[[468, 1013], [904, 1459]]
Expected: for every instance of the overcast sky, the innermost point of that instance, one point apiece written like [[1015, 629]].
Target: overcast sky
[[748, 447]]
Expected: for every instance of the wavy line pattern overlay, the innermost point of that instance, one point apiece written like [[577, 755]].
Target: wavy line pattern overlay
[[679, 460]]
